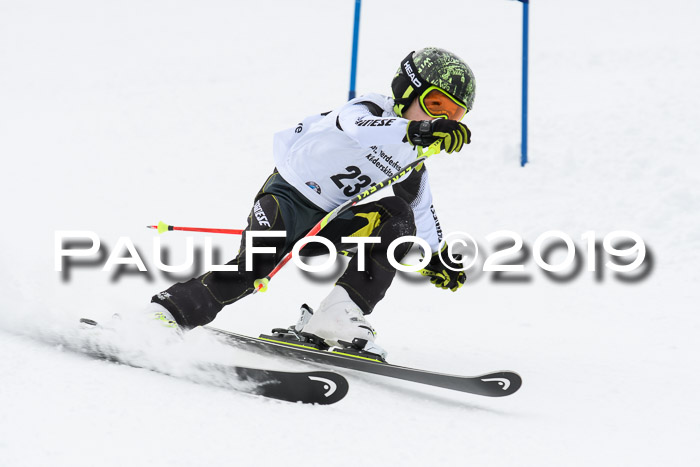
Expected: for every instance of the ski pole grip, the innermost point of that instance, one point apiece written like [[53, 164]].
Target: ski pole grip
[[430, 150]]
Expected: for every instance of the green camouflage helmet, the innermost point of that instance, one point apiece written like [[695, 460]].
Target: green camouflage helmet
[[432, 67]]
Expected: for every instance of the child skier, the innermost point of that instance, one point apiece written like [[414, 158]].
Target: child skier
[[328, 159]]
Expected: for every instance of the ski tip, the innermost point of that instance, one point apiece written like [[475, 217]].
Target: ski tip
[[501, 383], [88, 321], [329, 387], [315, 387]]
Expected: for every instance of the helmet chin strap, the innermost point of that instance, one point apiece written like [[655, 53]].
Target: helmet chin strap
[[403, 102], [400, 105]]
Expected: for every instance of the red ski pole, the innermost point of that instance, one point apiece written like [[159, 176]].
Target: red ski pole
[[163, 227]]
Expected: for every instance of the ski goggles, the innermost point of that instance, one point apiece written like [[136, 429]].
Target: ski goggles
[[438, 104]]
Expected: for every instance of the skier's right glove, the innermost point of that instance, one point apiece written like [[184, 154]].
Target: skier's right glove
[[451, 133], [442, 276]]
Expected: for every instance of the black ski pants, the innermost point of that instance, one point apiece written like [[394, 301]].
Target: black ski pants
[[279, 206]]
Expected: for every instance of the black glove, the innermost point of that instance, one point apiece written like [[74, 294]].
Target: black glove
[[452, 134], [440, 275]]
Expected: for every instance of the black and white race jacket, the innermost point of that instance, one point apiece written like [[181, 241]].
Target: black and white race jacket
[[332, 157]]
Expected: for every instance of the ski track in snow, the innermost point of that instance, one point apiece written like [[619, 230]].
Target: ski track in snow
[[117, 115]]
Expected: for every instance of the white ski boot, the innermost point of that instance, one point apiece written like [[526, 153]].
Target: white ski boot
[[160, 315], [339, 319], [153, 315]]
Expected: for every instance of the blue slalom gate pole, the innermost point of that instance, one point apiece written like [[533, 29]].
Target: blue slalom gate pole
[[526, 21], [355, 40]]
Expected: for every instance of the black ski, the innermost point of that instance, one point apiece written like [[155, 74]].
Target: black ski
[[314, 387], [496, 384], [311, 387]]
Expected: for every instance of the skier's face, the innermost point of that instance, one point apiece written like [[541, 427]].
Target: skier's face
[[415, 112]]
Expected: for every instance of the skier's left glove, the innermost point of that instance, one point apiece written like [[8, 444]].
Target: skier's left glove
[[451, 134], [442, 276]]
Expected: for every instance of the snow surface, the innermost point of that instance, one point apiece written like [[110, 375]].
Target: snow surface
[[114, 115]]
